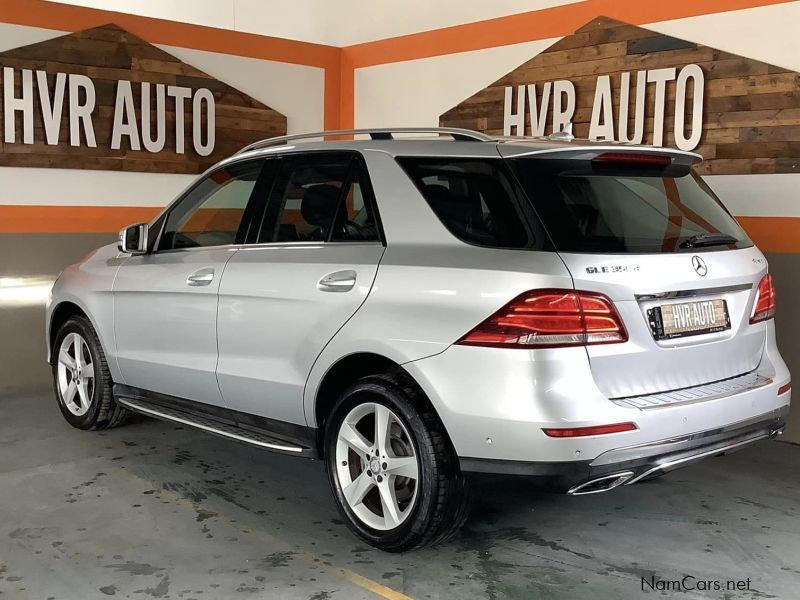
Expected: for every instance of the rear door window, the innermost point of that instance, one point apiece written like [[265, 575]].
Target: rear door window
[[585, 209], [477, 200]]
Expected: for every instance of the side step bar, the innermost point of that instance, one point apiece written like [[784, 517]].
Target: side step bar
[[210, 425]]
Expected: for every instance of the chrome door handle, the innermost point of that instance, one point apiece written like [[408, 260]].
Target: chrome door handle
[[340, 281], [201, 277]]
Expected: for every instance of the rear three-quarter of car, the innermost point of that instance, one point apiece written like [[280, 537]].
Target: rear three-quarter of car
[[584, 313]]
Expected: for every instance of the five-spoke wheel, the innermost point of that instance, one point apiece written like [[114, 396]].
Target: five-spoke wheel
[[392, 468], [377, 466], [75, 374]]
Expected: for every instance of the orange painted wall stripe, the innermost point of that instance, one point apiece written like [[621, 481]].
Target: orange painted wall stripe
[[773, 234], [540, 24], [72, 219], [770, 234]]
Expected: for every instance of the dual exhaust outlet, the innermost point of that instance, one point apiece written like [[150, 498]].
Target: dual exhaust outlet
[[609, 482]]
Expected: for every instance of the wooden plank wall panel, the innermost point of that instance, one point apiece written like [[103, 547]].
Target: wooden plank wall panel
[[751, 109], [108, 54]]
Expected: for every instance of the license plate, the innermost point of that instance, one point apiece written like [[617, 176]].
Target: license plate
[[688, 318]]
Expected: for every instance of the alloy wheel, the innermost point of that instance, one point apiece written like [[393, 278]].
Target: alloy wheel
[[377, 466], [76, 378]]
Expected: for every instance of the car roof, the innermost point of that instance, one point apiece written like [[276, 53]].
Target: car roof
[[432, 142]]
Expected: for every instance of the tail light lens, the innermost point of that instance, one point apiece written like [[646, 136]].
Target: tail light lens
[[765, 301], [550, 319]]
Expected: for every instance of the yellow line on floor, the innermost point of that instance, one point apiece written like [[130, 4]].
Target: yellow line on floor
[[373, 586], [346, 574]]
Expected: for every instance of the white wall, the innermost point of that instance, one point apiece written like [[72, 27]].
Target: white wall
[[331, 22]]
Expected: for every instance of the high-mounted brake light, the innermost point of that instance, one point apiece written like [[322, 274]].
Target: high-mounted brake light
[[640, 158], [584, 431], [765, 300], [550, 319]]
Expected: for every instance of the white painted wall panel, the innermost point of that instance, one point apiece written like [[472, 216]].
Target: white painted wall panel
[[296, 91], [84, 187], [416, 92]]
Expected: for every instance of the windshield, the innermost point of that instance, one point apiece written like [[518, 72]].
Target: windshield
[[626, 209]]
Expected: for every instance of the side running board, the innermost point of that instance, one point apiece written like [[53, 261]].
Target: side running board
[[210, 425]]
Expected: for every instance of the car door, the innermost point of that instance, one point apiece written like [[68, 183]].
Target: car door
[[283, 298], [165, 302]]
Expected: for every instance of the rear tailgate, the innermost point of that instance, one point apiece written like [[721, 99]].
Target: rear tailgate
[[636, 225]]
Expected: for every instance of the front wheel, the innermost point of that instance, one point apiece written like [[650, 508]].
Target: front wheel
[[392, 469], [81, 380]]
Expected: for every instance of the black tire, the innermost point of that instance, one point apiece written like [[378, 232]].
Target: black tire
[[442, 501], [103, 412]]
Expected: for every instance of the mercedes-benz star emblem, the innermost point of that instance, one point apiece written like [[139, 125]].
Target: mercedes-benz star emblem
[[699, 266]]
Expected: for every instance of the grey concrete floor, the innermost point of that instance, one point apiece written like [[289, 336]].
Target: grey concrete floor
[[152, 510]]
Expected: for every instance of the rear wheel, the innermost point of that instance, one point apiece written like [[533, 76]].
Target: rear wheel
[[392, 469], [81, 380]]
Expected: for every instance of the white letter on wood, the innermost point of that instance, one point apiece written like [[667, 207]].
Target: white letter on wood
[[624, 104], [660, 77], [603, 105], [203, 95], [12, 104], [695, 73], [181, 94], [81, 113], [124, 118], [150, 144], [538, 115], [51, 110], [514, 119], [563, 104]]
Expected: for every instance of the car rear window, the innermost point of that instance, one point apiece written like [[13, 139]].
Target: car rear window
[[626, 209], [477, 199]]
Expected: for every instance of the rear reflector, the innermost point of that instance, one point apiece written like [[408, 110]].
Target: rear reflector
[[584, 431], [550, 319], [784, 388], [765, 301], [639, 158]]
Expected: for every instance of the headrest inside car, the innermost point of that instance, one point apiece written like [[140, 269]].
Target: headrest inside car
[[319, 204]]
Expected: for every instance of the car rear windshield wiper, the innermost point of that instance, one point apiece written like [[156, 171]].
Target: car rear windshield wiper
[[708, 239]]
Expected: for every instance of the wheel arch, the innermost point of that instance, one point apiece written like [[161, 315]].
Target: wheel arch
[[59, 315], [346, 371]]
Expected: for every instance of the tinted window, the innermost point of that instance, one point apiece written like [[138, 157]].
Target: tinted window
[[586, 209], [212, 213], [476, 199], [320, 197], [305, 198], [355, 219]]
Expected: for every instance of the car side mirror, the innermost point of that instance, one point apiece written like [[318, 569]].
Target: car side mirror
[[133, 239]]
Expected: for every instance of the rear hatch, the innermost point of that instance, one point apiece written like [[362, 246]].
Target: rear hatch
[[639, 226]]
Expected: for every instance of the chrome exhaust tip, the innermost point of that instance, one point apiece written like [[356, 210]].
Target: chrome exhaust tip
[[600, 484], [775, 433]]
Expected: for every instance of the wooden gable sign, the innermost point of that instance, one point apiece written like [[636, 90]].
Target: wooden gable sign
[[104, 98], [615, 81]]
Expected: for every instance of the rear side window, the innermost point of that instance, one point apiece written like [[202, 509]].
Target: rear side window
[[476, 199], [320, 197], [626, 210]]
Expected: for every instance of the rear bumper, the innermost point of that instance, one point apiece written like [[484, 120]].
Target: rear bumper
[[631, 464], [495, 404]]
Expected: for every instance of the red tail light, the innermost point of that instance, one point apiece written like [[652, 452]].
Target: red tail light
[[633, 158], [584, 431], [549, 319], [765, 301]]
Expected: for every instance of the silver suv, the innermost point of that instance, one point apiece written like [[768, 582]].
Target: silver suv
[[410, 310]]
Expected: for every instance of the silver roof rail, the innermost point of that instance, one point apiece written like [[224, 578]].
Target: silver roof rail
[[375, 134]]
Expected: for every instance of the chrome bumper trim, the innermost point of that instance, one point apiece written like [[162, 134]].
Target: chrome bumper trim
[[699, 393]]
